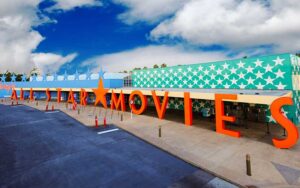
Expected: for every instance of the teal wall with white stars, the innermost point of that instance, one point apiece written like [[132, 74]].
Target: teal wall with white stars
[[274, 72]]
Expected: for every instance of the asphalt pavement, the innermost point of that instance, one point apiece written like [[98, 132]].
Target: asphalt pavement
[[50, 149]]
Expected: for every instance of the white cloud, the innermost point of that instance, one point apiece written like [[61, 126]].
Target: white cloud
[[150, 11], [18, 40], [49, 62], [149, 56], [236, 24], [70, 4]]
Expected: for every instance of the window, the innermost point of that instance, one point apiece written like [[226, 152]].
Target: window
[[128, 81]]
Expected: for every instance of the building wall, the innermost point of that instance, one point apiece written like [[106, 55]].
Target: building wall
[[250, 73], [275, 72]]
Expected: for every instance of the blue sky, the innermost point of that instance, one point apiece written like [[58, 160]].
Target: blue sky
[[91, 31], [59, 35]]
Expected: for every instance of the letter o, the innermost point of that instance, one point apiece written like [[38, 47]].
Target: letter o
[[143, 100]]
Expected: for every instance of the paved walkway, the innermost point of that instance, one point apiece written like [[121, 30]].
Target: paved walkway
[[200, 145]]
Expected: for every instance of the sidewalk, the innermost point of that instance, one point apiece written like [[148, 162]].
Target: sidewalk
[[219, 154]]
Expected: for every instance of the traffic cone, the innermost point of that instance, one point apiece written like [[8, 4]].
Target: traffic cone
[[96, 121]]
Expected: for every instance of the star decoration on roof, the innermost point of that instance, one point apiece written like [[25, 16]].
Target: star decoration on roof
[[88, 74], [44, 77], [100, 93], [13, 78], [101, 74], [65, 76], [24, 78], [3, 78], [55, 76], [76, 76], [33, 77]]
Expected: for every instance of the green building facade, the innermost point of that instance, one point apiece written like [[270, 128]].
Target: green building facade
[[275, 72]]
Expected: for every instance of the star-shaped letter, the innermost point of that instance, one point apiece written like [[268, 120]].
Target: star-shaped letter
[[100, 93]]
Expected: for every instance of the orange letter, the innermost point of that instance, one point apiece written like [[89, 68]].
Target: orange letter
[[161, 110], [58, 95], [71, 97], [220, 118], [143, 100], [291, 129], [21, 94], [31, 97], [188, 113], [83, 96], [14, 95], [116, 103], [48, 95]]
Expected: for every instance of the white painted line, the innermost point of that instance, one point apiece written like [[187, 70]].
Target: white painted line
[[108, 131], [51, 112]]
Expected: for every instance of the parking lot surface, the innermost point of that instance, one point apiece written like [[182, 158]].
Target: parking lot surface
[[50, 149]]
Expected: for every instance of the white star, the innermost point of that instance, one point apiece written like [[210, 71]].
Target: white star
[[190, 77], [280, 86], [201, 85], [249, 69], [250, 80], [219, 81], [278, 61], [189, 69], [225, 66], [219, 71], [226, 76], [184, 73], [241, 64], [260, 86], [258, 63], [234, 81], [213, 86], [233, 70], [195, 73], [212, 67], [269, 68], [176, 106], [279, 74], [242, 86], [175, 82], [180, 85], [185, 82], [269, 80], [190, 85], [206, 72], [226, 85], [271, 119], [171, 70], [202, 104], [195, 81], [200, 68], [180, 69], [200, 77], [259, 74], [241, 75], [213, 76], [206, 81]]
